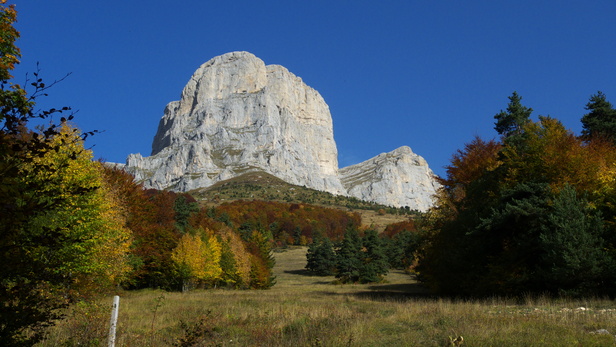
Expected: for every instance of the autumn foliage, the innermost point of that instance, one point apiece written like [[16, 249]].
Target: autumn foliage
[[180, 246], [63, 235], [530, 213], [289, 223]]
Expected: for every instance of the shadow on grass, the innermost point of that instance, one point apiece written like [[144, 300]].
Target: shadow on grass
[[376, 291], [397, 291], [388, 292], [302, 272], [306, 273]]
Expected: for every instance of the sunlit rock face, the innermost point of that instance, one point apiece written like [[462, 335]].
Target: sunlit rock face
[[237, 115], [398, 178]]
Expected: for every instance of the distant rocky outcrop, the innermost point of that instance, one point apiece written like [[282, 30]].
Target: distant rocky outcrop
[[397, 178], [237, 115]]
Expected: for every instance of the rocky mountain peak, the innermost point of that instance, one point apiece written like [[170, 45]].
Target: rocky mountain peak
[[238, 115]]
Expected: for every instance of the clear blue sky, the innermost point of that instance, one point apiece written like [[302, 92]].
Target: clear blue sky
[[426, 74]]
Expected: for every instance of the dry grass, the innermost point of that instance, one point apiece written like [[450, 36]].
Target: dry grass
[[303, 310], [377, 221]]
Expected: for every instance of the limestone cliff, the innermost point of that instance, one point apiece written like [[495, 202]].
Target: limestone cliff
[[398, 178], [237, 115]]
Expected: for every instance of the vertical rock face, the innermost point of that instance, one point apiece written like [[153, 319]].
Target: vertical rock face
[[398, 178], [237, 115]]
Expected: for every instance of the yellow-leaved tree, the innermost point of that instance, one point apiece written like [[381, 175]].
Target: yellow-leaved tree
[[235, 260], [61, 231], [197, 259], [88, 218]]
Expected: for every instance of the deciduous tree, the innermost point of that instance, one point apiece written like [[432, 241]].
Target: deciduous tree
[[197, 259], [59, 227]]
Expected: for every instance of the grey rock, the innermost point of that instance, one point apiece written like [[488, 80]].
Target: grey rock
[[237, 115], [398, 178]]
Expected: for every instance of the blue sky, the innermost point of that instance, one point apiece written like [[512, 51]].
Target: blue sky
[[426, 74]]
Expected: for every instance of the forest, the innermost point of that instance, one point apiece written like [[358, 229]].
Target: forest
[[530, 212]]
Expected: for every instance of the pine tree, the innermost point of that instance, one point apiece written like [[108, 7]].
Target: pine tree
[[510, 123], [321, 258], [348, 261], [601, 120], [374, 261]]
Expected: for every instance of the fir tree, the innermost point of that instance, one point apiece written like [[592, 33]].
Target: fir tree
[[230, 273], [601, 120], [348, 261], [574, 260], [321, 257], [510, 123], [374, 263], [401, 249], [184, 206]]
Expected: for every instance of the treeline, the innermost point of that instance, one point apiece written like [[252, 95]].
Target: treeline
[[531, 212], [287, 224], [364, 256], [179, 245]]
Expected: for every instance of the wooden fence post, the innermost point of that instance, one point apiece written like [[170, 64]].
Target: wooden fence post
[[114, 321]]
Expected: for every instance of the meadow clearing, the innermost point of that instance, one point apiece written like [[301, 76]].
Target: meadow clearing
[[304, 310]]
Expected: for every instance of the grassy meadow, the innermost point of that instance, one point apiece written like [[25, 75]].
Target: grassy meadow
[[303, 310]]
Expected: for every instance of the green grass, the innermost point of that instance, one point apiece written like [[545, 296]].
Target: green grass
[[304, 310]]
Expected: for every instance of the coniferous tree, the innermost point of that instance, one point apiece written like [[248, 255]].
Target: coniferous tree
[[374, 263], [601, 120], [184, 206], [230, 274], [510, 123], [348, 261], [573, 256], [321, 258], [401, 249], [508, 236], [510, 220], [264, 260]]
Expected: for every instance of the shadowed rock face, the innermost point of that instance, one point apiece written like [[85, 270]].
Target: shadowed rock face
[[237, 115]]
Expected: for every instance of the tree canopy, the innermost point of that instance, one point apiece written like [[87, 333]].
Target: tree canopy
[[601, 120], [529, 215]]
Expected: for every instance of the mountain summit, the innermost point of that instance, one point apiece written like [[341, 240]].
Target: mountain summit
[[237, 115]]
